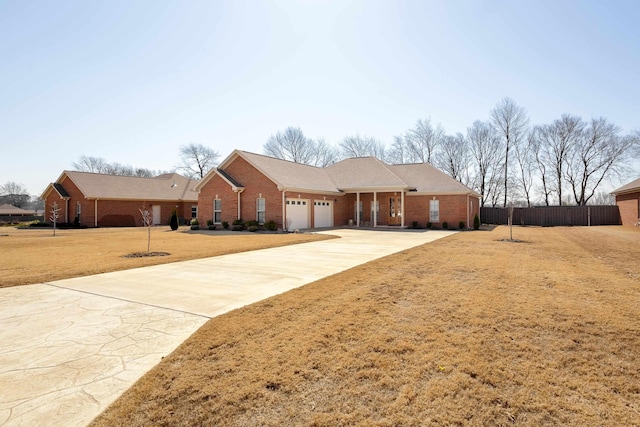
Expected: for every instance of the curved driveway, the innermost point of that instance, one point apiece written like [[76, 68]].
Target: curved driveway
[[69, 348]]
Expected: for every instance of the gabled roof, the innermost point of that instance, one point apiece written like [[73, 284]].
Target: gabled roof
[[12, 210], [631, 187], [349, 175], [426, 178], [285, 174], [235, 185], [364, 173], [166, 187]]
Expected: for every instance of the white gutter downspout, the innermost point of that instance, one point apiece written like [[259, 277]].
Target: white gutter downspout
[[358, 209], [239, 210], [284, 210], [95, 213]]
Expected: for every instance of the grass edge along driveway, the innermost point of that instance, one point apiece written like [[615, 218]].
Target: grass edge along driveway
[[469, 330]]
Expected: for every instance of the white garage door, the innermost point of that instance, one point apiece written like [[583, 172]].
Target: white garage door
[[322, 214], [298, 214]]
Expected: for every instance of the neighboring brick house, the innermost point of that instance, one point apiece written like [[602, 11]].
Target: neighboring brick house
[[99, 200], [628, 201], [257, 187]]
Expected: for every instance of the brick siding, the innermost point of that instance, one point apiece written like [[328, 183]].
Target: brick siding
[[628, 205]]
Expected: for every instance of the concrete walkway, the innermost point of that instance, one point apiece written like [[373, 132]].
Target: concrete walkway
[[69, 348]]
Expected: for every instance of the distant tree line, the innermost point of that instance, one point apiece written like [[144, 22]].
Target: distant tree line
[[505, 159]]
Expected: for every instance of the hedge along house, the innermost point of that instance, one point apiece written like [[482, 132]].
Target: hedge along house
[[99, 200], [361, 191], [628, 201]]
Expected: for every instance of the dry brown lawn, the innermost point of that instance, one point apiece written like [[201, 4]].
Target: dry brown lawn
[[35, 256], [469, 330]]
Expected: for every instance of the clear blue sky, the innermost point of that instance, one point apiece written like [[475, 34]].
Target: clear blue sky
[[131, 81]]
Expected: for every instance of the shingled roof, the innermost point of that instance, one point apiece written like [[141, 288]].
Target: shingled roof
[[631, 187], [349, 175], [172, 186]]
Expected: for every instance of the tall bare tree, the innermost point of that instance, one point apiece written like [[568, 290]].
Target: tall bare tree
[[323, 153], [362, 146], [294, 146], [558, 140], [598, 153], [541, 164], [14, 194], [524, 154], [511, 121], [454, 157], [100, 165], [399, 152], [91, 164], [485, 146], [197, 160], [290, 145], [423, 140]]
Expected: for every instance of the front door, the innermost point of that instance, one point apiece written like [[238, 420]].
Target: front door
[[395, 211]]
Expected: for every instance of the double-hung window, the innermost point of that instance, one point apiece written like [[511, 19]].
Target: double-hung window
[[434, 210], [217, 211], [260, 210]]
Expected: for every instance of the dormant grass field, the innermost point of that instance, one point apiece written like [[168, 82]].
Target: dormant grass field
[[35, 256], [469, 330]]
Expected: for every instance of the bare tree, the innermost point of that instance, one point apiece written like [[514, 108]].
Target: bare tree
[[91, 164], [558, 140], [100, 165], [511, 121], [14, 194], [323, 153], [598, 153], [54, 215], [525, 160], [454, 157], [290, 145], [197, 160], [423, 140], [362, 146], [539, 156], [398, 153], [486, 148]]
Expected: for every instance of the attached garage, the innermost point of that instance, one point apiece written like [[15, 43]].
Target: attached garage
[[297, 213], [322, 213]]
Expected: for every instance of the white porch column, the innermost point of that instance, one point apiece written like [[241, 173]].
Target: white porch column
[[95, 213], [375, 209], [402, 209], [358, 209]]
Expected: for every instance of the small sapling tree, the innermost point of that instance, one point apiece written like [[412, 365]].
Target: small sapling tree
[[54, 215], [147, 221]]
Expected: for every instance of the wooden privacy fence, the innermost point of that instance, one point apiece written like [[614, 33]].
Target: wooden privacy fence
[[550, 216]]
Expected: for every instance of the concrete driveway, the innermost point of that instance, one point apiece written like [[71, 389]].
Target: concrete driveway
[[69, 348]]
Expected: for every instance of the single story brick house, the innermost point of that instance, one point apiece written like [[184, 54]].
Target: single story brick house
[[99, 200], [361, 191], [628, 201]]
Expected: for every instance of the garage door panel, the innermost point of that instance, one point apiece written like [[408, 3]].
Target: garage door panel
[[298, 213], [322, 213]]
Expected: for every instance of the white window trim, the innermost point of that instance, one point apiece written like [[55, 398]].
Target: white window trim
[[434, 210], [263, 211], [215, 211]]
